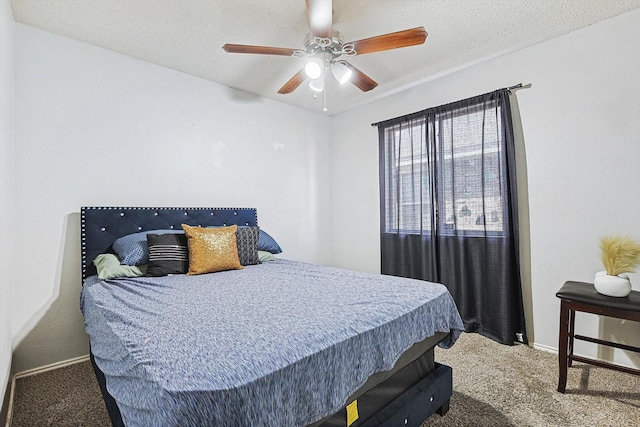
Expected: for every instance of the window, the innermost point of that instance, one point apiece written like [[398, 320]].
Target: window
[[458, 183]]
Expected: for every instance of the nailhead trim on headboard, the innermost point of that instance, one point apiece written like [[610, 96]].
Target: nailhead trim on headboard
[[101, 226]]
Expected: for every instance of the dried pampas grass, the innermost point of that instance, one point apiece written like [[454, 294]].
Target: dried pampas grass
[[619, 254]]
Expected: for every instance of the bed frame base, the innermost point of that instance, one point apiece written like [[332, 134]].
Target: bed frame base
[[430, 395]]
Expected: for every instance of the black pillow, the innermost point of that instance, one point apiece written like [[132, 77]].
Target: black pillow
[[247, 242], [168, 254]]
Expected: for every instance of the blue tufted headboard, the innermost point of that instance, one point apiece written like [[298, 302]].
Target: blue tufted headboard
[[101, 226]]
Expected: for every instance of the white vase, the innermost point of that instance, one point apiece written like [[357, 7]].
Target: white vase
[[613, 286]]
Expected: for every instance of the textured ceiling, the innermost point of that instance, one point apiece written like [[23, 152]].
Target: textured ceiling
[[187, 35]]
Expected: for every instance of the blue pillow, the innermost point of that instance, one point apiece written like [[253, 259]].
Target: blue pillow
[[132, 249], [268, 243]]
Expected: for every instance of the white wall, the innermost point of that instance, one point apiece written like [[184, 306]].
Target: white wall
[[93, 127], [6, 189], [582, 142]]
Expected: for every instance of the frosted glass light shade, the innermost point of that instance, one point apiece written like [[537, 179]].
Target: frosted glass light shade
[[317, 84], [341, 72], [313, 68]]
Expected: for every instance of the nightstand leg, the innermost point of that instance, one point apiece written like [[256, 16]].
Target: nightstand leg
[[563, 344], [572, 325]]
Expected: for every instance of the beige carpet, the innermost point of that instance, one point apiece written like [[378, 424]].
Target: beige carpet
[[64, 397], [497, 385], [494, 385]]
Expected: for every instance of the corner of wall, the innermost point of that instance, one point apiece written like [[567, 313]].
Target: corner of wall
[[7, 192]]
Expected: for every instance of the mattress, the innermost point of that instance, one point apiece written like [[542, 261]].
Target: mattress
[[280, 343]]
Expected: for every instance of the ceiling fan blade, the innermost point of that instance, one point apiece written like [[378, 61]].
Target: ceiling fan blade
[[360, 79], [389, 41], [320, 14], [293, 82], [262, 50]]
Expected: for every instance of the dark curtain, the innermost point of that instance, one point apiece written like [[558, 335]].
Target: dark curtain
[[448, 208]]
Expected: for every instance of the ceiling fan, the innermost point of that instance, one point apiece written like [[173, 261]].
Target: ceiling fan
[[324, 47]]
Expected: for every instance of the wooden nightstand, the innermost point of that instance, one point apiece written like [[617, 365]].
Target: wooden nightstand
[[579, 296]]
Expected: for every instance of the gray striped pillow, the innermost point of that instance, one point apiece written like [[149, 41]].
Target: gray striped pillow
[[168, 254]]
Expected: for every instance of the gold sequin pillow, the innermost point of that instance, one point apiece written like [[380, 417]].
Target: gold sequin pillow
[[212, 249]]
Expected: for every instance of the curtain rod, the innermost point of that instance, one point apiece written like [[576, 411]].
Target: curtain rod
[[519, 86], [510, 88]]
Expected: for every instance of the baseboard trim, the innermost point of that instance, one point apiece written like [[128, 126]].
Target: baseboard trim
[[545, 348], [7, 401], [12, 389], [51, 367], [555, 351]]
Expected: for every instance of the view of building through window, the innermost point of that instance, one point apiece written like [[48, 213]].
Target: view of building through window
[[459, 184]]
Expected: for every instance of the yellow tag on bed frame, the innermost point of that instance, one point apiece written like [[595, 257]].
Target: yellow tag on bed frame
[[352, 412]]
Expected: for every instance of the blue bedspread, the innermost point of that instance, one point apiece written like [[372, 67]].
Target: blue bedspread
[[278, 344]]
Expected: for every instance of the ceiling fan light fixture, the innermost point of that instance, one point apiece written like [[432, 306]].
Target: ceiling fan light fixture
[[323, 45], [341, 72], [317, 84], [313, 68]]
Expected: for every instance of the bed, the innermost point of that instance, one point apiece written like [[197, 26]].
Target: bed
[[278, 343]]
